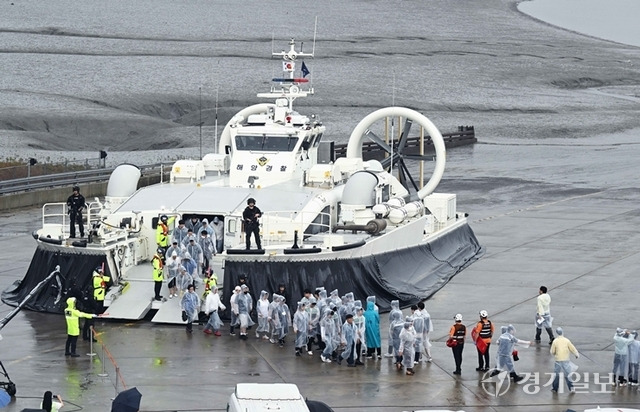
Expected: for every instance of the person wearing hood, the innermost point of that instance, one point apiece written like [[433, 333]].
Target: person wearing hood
[[395, 327], [348, 339], [314, 324], [195, 251], [621, 340], [328, 333], [207, 244], [360, 323], [183, 280], [458, 333], [407, 342], [72, 316], [418, 327], [282, 291], [189, 264], [372, 330], [274, 319], [211, 306], [245, 306], [301, 328], [284, 319], [262, 308], [191, 306], [206, 226], [561, 349], [428, 328], [506, 343], [634, 358], [233, 302], [395, 307], [218, 230], [173, 268]]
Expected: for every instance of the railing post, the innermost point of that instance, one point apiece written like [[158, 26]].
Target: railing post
[[117, 378], [103, 374], [91, 352]]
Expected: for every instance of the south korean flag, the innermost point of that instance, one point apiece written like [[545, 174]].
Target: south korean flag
[[288, 66]]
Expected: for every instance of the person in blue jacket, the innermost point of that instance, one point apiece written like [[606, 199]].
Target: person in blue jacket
[[372, 331]]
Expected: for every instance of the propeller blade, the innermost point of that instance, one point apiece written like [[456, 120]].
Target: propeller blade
[[405, 135], [426, 158], [403, 167], [372, 136], [386, 162]]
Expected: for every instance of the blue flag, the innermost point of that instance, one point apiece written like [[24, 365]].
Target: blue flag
[[304, 70]]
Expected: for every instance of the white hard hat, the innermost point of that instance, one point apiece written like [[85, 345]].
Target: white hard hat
[[484, 314], [458, 317]]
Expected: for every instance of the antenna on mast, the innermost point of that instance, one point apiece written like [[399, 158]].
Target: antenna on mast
[[315, 31]]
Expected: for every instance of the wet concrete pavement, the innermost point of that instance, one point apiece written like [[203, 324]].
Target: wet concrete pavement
[[584, 248]]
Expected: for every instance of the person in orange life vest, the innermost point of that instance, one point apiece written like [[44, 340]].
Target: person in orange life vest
[[481, 335], [458, 332], [158, 272], [162, 232]]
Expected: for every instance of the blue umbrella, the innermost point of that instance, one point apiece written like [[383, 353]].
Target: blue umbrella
[[5, 399]]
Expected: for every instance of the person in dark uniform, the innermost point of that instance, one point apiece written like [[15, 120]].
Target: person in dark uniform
[[251, 225], [75, 205]]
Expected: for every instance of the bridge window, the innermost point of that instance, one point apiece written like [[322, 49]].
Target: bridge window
[[266, 143]]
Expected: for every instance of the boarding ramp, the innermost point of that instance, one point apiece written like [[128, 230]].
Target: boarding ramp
[[134, 300]]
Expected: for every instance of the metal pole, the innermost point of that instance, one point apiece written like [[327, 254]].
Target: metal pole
[[29, 169], [200, 122], [103, 374], [117, 378], [91, 352]]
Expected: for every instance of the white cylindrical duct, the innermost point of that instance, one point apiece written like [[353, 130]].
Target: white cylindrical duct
[[360, 189], [123, 181]]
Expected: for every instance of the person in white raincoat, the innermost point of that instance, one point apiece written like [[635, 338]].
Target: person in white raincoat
[[191, 306], [211, 306]]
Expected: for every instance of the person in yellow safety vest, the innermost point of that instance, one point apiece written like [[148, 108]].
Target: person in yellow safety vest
[[162, 232], [100, 284], [73, 316], [210, 282], [158, 272]]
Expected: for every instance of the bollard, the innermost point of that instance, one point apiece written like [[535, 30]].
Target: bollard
[[117, 379], [91, 352], [103, 374]]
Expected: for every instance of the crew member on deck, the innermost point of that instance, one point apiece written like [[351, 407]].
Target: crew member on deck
[[75, 204], [162, 232], [158, 272], [251, 215]]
